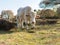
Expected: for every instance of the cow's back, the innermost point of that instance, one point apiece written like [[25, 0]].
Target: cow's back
[[20, 11], [27, 10]]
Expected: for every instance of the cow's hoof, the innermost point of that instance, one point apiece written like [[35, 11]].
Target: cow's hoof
[[33, 28], [22, 28], [30, 31]]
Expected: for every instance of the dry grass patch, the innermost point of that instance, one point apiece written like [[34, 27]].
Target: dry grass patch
[[43, 35]]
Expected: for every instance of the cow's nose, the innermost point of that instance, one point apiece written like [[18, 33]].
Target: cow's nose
[[32, 22], [27, 15]]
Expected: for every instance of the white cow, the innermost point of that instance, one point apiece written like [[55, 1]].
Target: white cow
[[27, 16]]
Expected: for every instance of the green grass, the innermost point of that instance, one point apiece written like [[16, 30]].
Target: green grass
[[43, 35]]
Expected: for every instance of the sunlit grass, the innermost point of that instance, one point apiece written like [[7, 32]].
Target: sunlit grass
[[43, 35]]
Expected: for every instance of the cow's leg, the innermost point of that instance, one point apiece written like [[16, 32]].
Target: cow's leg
[[25, 20], [22, 24], [18, 23], [33, 24], [26, 24], [17, 18]]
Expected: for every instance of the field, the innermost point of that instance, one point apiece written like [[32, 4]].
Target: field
[[42, 35]]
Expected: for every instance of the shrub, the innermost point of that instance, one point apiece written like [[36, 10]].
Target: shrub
[[6, 25]]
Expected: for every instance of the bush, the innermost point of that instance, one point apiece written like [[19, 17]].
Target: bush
[[54, 17], [44, 21], [47, 17], [52, 22], [6, 25], [41, 22]]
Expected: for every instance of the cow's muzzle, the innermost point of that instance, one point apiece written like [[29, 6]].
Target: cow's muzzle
[[28, 15]]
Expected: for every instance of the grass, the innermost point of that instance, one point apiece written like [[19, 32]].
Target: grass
[[43, 35]]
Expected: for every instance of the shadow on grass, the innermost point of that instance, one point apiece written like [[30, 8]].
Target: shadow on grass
[[31, 31], [16, 30], [5, 32]]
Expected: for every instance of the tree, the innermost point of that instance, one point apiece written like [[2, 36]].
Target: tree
[[48, 3], [58, 12]]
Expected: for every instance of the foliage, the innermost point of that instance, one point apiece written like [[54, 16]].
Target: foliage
[[58, 12], [48, 14], [48, 3], [6, 25]]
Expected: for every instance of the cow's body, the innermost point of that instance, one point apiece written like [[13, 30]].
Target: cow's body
[[27, 16]]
